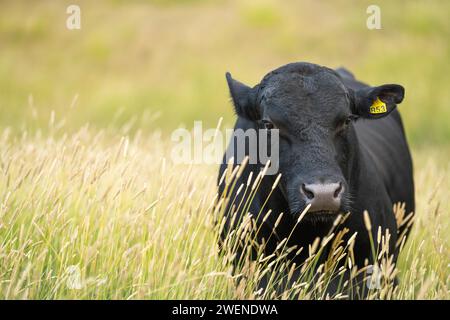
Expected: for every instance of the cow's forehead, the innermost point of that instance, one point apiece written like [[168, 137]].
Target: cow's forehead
[[298, 82], [289, 88]]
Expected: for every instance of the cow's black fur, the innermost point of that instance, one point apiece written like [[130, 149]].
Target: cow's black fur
[[326, 134]]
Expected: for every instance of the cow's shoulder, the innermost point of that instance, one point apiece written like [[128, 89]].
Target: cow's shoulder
[[349, 79], [345, 73]]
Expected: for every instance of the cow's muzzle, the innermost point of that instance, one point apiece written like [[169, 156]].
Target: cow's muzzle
[[323, 197]]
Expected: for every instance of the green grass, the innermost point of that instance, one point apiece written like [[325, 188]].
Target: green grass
[[170, 57]]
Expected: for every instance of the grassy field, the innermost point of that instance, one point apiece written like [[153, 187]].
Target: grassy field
[[167, 59], [99, 215], [91, 205]]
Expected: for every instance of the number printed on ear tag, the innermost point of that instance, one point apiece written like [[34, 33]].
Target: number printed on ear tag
[[377, 107]]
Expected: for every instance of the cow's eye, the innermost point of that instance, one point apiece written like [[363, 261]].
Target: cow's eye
[[267, 124], [344, 124], [349, 119]]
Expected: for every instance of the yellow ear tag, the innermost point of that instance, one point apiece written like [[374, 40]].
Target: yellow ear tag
[[377, 107]]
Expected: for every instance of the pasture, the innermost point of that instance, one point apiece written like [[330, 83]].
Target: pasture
[[91, 205]]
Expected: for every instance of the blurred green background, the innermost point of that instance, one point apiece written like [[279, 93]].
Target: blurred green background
[[161, 64]]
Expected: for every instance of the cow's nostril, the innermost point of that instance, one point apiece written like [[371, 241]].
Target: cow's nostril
[[322, 196], [308, 193], [338, 190]]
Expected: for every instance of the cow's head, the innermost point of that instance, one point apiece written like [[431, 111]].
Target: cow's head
[[314, 112]]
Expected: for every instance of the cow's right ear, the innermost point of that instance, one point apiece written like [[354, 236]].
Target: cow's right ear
[[244, 98], [377, 102]]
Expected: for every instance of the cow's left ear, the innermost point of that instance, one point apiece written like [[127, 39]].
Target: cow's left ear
[[244, 98], [377, 102]]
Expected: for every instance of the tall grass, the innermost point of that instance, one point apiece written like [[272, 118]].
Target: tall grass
[[96, 214], [103, 213]]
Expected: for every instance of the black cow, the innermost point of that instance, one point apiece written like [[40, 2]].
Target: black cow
[[342, 149]]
